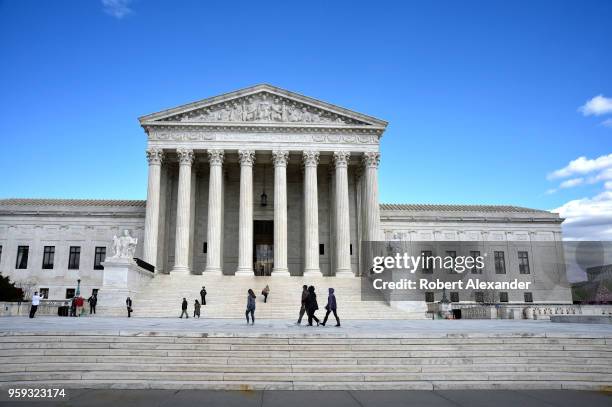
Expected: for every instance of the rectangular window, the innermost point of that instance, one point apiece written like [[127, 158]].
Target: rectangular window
[[351, 249], [321, 249], [0, 253], [427, 264], [453, 254], [528, 297], [429, 296], [474, 254], [503, 297], [500, 262], [44, 292], [22, 257], [99, 257], [48, 257], [74, 257], [205, 248], [69, 293], [523, 258], [478, 296], [454, 296]]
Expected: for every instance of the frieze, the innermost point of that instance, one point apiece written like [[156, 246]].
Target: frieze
[[315, 138]]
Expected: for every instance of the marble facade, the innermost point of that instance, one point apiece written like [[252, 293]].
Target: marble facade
[[209, 163]]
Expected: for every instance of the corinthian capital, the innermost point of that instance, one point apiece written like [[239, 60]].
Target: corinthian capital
[[280, 158], [371, 160], [247, 157], [215, 157], [155, 156], [185, 156], [341, 158], [310, 158]]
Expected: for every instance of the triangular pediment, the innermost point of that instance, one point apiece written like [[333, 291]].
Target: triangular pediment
[[265, 105]]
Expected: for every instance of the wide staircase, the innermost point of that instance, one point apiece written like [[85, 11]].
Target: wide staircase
[[303, 361], [227, 297]]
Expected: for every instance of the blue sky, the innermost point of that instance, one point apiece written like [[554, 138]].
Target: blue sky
[[483, 97]]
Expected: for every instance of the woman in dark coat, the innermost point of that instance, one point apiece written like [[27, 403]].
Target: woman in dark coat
[[312, 306], [331, 307], [250, 307]]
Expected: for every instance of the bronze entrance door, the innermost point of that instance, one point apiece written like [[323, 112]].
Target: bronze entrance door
[[263, 250]]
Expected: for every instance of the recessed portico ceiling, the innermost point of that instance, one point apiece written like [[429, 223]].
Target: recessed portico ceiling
[[262, 105]]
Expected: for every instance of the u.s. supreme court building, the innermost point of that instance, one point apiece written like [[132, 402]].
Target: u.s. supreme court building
[[260, 182]]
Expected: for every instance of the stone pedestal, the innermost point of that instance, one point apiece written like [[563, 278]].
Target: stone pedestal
[[122, 278]]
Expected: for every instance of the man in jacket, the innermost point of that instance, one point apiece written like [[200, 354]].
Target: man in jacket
[[184, 308], [203, 295], [93, 300], [303, 306]]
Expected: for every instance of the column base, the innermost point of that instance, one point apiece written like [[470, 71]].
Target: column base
[[244, 272], [344, 273], [213, 271], [180, 270], [280, 272], [313, 273]]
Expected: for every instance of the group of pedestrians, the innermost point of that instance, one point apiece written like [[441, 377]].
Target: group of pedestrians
[[310, 306], [197, 305]]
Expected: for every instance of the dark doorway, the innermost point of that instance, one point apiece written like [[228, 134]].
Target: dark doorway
[[263, 247]]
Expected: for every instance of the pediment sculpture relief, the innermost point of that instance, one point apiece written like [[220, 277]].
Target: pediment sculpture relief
[[263, 108]]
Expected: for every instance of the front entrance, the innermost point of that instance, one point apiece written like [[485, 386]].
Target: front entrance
[[263, 251]]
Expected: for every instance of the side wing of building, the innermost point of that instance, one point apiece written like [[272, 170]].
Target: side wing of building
[[521, 243], [49, 244]]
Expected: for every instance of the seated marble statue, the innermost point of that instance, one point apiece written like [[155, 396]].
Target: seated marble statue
[[124, 246]]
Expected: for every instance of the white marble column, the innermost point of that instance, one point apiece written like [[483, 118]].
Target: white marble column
[[183, 211], [311, 215], [215, 188], [155, 157], [343, 231], [371, 209], [245, 214], [280, 159]]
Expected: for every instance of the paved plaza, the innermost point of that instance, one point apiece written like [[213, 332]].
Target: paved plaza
[[426, 328]]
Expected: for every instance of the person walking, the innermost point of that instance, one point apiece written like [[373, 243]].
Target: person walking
[[265, 292], [331, 307], [312, 306], [128, 304], [93, 301], [35, 302], [196, 309], [203, 295], [250, 309], [303, 306], [73, 307], [184, 309]]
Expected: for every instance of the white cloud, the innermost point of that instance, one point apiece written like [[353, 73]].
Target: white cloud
[[597, 106], [607, 123], [587, 218], [581, 166], [570, 183], [117, 8]]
